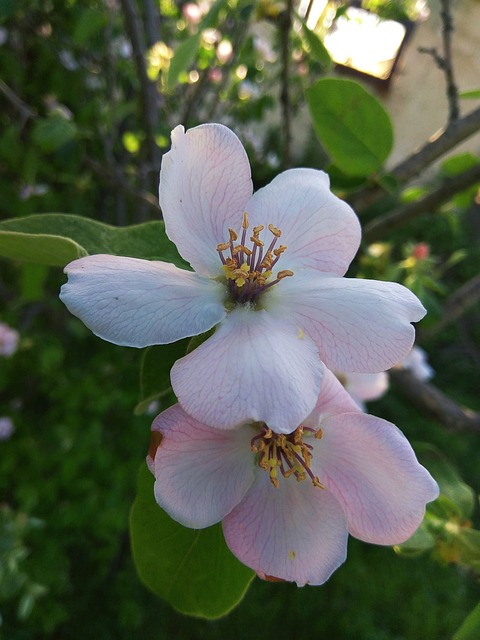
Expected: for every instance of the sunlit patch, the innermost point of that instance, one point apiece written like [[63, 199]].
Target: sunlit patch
[[248, 269], [288, 455]]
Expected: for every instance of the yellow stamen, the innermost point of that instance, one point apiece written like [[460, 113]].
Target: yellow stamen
[[284, 274], [223, 246], [233, 235], [276, 232], [245, 220]]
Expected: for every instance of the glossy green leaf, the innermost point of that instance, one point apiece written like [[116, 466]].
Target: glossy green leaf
[[155, 371], [351, 124], [194, 571], [56, 239], [470, 629], [473, 94]]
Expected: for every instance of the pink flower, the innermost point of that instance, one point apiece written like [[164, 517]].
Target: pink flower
[[364, 386], [416, 362], [288, 502], [268, 275], [9, 339], [6, 428]]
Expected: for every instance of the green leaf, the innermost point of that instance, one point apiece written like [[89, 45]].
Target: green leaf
[[462, 496], [351, 124], [57, 238], [316, 47], [51, 250], [194, 571], [52, 133], [155, 371], [422, 540], [470, 629], [187, 51], [473, 94], [459, 163]]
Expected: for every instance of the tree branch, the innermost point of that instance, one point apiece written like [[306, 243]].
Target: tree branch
[[426, 397], [148, 92], [22, 107], [285, 27], [379, 227], [411, 167]]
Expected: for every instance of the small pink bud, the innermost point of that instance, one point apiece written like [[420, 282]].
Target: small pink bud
[[421, 251]]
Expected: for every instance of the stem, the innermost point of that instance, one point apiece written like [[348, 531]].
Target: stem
[[285, 26], [377, 228]]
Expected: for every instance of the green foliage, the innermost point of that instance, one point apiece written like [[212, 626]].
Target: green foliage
[[352, 125], [470, 629], [192, 570], [55, 238]]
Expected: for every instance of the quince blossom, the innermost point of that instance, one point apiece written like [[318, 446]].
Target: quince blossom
[[268, 276], [288, 502], [9, 339]]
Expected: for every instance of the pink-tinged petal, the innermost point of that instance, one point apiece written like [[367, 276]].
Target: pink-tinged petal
[[205, 184], [358, 325], [200, 473], [296, 533], [365, 386], [136, 303], [253, 368], [369, 466], [320, 230], [332, 400]]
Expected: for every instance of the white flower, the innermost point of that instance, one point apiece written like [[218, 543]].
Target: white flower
[[268, 276]]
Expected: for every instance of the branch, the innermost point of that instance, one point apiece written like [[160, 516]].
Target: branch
[[455, 307], [426, 397], [22, 107], [152, 21], [119, 180], [379, 227], [148, 91], [439, 144], [447, 30], [285, 27]]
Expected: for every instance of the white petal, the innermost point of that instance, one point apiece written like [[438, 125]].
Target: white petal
[[201, 473], [296, 532], [332, 400], [358, 325], [253, 368], [370, 467], [320, 230], [137, 303], [205, 184]]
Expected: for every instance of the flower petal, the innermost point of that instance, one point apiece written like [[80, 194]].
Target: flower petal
[[332, 400], [253, 368], [370, 467], [358, 325], [136, 303], [320, 230], [205, 184], [296, 532], [201, 473]]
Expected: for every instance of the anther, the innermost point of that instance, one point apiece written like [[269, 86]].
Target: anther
[[257, 229], [245, 220], [276, 232], [233, 235], [223, 246], [256, 241], [284, 274], [279, 251]]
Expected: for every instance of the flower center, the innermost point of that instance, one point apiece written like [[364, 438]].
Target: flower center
[[286, 453], [248, 270]]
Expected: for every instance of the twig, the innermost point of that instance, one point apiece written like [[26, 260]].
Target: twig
[[447, 30], [119, 180], [379, 227], [455, 307], [22, 107], [285, 27], [152, 22], [411, 167], [148, 91], [432, 401]]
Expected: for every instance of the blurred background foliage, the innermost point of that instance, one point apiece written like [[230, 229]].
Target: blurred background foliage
[[89, 94]]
